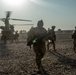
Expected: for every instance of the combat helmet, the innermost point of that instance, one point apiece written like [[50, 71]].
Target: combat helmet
[[53, 26], [40, 23]]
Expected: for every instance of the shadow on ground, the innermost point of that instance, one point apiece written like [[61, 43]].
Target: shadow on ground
[[64, 59], [4, 51]]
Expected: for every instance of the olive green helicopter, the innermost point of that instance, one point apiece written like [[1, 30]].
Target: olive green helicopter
[[8, 30]]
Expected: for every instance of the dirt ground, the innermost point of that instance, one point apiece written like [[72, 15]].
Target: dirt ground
[[18, 59]]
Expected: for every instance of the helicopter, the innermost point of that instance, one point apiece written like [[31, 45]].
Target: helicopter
[[8, 29]]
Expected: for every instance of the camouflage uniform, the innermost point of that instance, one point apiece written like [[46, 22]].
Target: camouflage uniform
[[4, 36], [74, 37], [52, 32], [39, 46], [16, 35]]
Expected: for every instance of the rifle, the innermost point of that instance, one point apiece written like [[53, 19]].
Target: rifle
[[37, 39]]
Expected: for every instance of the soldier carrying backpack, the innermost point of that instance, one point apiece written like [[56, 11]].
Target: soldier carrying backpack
[[36, 38], [53, 39], [74, 38]]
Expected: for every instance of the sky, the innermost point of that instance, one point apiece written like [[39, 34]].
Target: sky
[[60, 13]]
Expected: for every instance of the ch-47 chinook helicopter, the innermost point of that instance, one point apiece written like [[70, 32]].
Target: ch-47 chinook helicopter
[[8, 29]]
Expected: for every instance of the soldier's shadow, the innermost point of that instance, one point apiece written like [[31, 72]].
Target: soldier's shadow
[[4, 51], [65, 60]]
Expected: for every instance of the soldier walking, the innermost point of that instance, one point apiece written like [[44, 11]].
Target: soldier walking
[[51, 33], [38, 42], [74, 38], [16, 36]]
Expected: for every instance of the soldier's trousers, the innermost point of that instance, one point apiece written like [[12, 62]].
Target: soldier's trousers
[[53, 43], [39, 50], [74, 44]]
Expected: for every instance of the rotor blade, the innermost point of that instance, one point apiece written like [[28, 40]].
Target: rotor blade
[[22, 24], [2, 19], [8, 13], [19, 19]]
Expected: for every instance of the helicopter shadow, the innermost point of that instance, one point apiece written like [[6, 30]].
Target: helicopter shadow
[[64, 59], [4, 51]]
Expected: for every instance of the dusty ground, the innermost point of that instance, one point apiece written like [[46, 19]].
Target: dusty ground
[[18, 59]]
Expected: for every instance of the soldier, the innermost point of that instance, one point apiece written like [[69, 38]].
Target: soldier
[[11, 34], [74, 38], [38, 42], [4, 35], [51, 32], [16, 35]]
